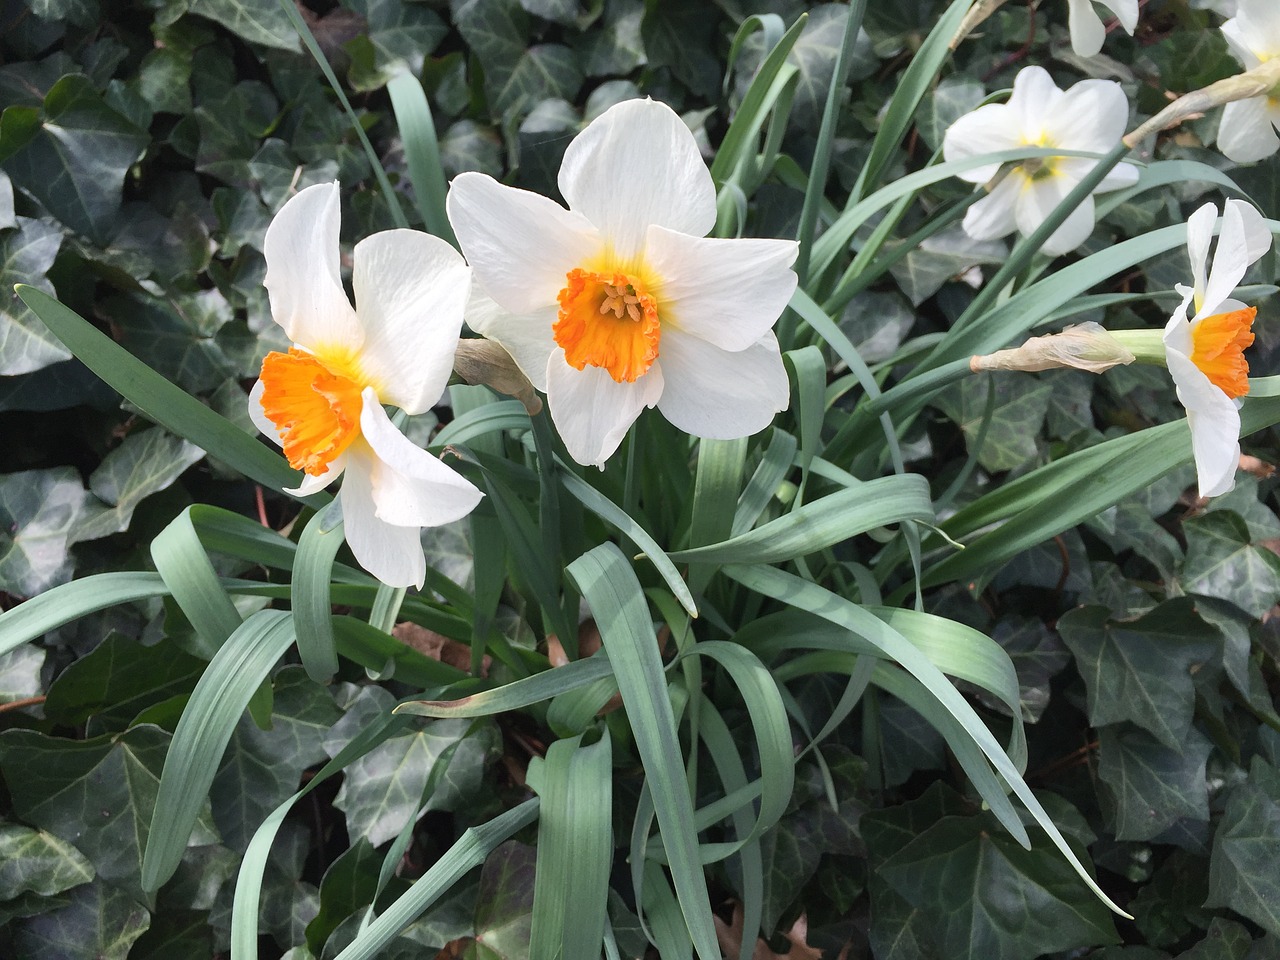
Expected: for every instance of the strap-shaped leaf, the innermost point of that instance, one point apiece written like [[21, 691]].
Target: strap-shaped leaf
[[169, 406], [824, 522], [312, 606], [611, 589], [183, 564], [575, 850], [201, 737]]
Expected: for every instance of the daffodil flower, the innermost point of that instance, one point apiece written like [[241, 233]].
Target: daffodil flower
[[1087, 31], [322, 400], [1247, 131], [1090, 117], [621, 302], [1205, 354]]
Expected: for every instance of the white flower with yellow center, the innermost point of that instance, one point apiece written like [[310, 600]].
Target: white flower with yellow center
[[1089, 117], [1247, 131], [322, 401], [1087, 30], [1206, 353], [621, 302]]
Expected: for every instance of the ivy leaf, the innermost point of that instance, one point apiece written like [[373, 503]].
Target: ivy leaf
[[179, 338], [261, 768], [119, 679], [945, 255], [1140, 670], [1225, 940], [147, 462], [1244, 874], [25, 257], [952, 98], [988, 897], [99, 793], [1038, 656], [1223, 561], [7, 217], [350, 882], [1021, 401], [504, 906], [679, 36], [20, 674], [1151, 786], [32, 861], [72, 155], [398, 33], [614, 48], [100, 922], [546, 71], [384, 788], [258, 21], [814, 55], [38, 514]]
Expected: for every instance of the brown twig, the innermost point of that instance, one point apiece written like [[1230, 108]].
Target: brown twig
[[19, 704]]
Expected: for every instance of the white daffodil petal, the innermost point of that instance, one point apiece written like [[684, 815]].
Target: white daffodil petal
[[729, 292], [1246, 134], [1039, 198], [259, 416], [992, 217], [1257, 24], [1232, 258], [1092, 115], [1253, 225], [1126, 11], [411, 488], [303, 279], [592, 411], [715, 393], [990, 128], [410, 289], [391, 553], [1034, 100], [1199, 237], [1215, 426], [1087, 31], [635, 166], [1177, 332], [528, 337], [520, 244]]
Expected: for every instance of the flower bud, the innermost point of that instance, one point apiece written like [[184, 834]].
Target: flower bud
[[1086, 346]]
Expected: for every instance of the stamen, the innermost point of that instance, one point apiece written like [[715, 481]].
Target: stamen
[[608, 320]]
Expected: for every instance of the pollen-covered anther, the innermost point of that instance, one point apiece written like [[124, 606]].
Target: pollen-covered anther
[[1218, 345], [608, 320], [315, 409]]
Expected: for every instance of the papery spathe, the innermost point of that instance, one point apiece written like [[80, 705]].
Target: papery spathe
[[621, 302], [322, 401]]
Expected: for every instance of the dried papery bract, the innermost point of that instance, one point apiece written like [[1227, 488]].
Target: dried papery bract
[[1261, 81], [1086, 346]]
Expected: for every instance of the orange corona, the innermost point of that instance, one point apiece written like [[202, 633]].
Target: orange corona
[[315, 408], [1218, 345], [608, 320]]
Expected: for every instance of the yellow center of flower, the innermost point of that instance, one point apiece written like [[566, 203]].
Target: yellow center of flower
[[1038, 168], [608, 320], [1218, 345], [315, 407]]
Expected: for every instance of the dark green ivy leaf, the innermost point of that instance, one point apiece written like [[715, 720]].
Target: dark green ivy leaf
[[1223, 561], [1244, 871], [100, 922], [988, 897], [26, 254], [39, 510], [98, 793], [1151, 786], [1140, 670], [72, 155]]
